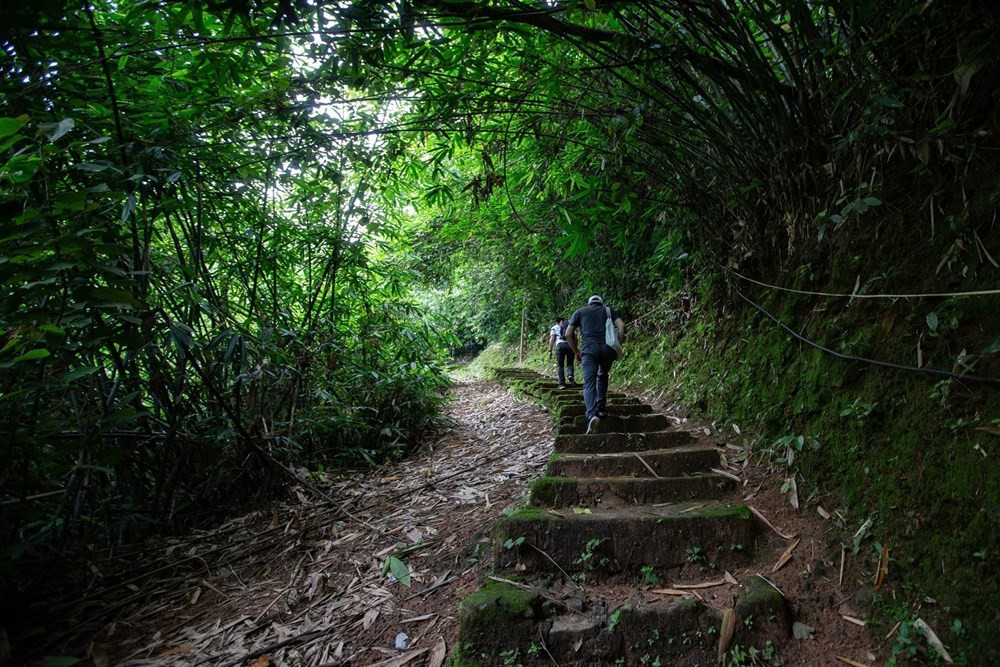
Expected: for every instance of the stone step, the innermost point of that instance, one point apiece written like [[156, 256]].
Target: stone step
[[624, 540], [507, 623], [578, 400], [617, 491], [578, 409], [619, 424], [581, 443], [666, 462]]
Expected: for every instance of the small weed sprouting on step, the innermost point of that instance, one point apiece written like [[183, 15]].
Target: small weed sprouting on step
[[695, 555], [654, 636], [649, 575], [587, 557], [736, 547], [534, 649], [513, 543], [510, 658], [748, 622], [619, 662], [753, 657], [614, 619]]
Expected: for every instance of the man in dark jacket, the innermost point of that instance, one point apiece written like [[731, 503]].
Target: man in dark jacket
[[594, 355]]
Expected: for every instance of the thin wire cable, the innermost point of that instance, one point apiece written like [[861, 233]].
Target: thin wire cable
[[992, 381], [868, 296]]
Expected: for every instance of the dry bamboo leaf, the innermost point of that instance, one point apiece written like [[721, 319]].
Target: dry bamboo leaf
[[767, 523], [793, 492], [262, 661], [855, 621], [883, 568], [822, 512], [786, 555], [690, 509], [369, 618], [175, 651], [894, 628], [400, 660], [196, 595], [704, 584], [416, 619], [840, 580], [933, 639], [438, 653], [726, 632], [671, 591], [731, 579], [848, 661], [727, 474]]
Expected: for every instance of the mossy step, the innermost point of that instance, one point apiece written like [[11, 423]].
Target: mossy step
[[666, 462], [615, 491], [504, 624], [618, 424], [624, 540], [579, 409], [567, 401], [594, 443]]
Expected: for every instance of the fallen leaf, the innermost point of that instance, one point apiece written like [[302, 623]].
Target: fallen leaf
[[177, 650], [802, 631], [726, 633], [933, 639], [262, 661], [582, 510], [786, 555], [369, 618], [704, 584], [730, 578], [438, 653], [883, 568], [670, 591], [848, 661], [793, 492], [760, 516], [401, 660], [822, 512]]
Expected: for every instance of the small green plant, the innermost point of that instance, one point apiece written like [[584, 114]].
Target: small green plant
[[511, 658], [587, 557], [858, 409], [649, 576], [534, 649], [513, 543], [616, 616], [736, 547], [695, 555], [748, 622]]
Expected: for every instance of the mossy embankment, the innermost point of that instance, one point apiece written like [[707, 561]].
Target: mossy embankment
[[911, 456]]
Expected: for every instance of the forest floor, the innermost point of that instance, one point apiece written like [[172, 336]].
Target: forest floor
[[303, 583]]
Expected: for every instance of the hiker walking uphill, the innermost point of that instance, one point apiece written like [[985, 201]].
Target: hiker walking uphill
[[564, 353], [595, 355]]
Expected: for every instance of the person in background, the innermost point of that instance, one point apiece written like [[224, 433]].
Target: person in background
[[594, 355], [564, 353]]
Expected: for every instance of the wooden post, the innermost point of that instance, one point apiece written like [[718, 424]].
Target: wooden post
[[524, 332]]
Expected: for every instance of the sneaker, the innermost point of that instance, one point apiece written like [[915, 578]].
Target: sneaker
[[602, 415], [594, 422], [571, 381], [562, 386]]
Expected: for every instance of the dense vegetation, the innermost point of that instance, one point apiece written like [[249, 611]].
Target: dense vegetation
[[242, 238]]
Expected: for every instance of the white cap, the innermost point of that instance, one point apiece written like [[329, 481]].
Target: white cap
[[595, 299]]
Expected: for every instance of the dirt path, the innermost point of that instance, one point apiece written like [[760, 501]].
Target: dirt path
[[316, 595], [302, 584]]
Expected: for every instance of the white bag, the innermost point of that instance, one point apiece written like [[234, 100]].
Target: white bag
[[611, 335]]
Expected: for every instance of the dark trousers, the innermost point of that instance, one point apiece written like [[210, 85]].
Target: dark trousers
[[596, 363], [564, 357]]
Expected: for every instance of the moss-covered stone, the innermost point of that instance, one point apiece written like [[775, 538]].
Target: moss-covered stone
[[498, 619]]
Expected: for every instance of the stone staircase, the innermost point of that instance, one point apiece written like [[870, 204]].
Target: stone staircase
[[581, 575]]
